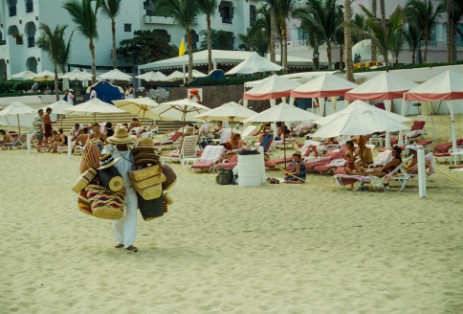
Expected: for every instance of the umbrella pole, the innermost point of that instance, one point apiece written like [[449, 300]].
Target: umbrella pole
[[284, 142], [19, 126]]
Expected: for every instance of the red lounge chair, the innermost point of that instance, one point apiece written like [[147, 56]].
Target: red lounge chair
[[228, 164], [325, 159], [172, 141], [209, 158]]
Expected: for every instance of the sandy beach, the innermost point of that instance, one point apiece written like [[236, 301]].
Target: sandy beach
[[312, 248]]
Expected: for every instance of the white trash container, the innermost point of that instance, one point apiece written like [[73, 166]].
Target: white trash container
[[251, 169]]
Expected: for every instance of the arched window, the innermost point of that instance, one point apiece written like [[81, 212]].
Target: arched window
[[31, 64], [31, 30], [14, 32]]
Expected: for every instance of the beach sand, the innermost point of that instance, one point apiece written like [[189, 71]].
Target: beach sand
[[312, 248]]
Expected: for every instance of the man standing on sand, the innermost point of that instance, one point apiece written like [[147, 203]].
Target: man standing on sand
[[47, 124], [120, 147], [38, 129]]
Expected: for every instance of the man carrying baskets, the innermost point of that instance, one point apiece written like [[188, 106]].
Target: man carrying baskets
[[120, 147]]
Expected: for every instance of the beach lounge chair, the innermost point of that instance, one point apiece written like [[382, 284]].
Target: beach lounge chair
[[399, 175], [443, 152], [19, 141], [230, 163], [312, 162], [170, 142], [211, 155], [188, 150]]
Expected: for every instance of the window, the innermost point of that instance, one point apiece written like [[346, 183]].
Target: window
[[128, 28], [12, 7], [226, 12], [30, 42], [252, 14], [29, 6]]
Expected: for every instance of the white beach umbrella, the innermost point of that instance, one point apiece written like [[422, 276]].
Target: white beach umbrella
[[230, 111], [115, 75], [78, 75], [16, 109], [44, 76], [272, 87], [24, 75], [175, 76], [58, 107], [180, 110], [152, 76], [197, 73], [139, 106], [359, 118], [283, 112], [254, 64], [92, 107]]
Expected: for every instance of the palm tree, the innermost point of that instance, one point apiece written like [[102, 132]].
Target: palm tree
[[208, 7], [374, 48], [111, 9], [282, 10], [311, 27], [413, 36], [84, 16], [323, 17], [422, 14], [52, 41], [348, 40], [454, 14], [259, 36], [385, 38], [184, 13]]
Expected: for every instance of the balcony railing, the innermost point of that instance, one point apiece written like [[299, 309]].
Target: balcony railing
[[155, 19]]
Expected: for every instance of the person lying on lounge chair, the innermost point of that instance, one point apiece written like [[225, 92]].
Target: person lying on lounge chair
[[298, 172], [390, 166]]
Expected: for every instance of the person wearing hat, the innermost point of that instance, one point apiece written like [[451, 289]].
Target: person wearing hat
[[71, 97], [120, 147], [298, 172]]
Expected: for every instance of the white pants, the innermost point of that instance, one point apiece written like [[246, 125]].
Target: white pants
[[125, 229]]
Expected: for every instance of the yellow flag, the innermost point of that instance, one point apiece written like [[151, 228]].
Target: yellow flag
[[181, 50]]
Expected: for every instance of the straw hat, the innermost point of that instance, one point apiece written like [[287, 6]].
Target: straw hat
[[145, 152], [106, 161], [121, 136], [297, 153]]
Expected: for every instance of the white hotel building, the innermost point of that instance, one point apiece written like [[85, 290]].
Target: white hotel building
[[20, 21]]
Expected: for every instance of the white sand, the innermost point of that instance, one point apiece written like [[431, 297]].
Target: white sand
[[310, 248]]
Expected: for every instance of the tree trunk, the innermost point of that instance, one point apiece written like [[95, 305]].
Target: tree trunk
[[413, 56], [190, 54], [284, 50], [272, 35], [328, 53], [382, 9], [113, 29], [91, 46], [451, 45], [374, 47], [348, 41], [209, 44], [55, 68]]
